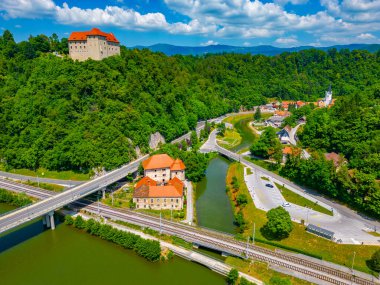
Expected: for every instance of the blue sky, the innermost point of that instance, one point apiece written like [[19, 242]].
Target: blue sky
[[200, 22]]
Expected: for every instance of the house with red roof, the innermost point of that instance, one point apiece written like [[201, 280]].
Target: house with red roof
[[94, 44], [162, 186]]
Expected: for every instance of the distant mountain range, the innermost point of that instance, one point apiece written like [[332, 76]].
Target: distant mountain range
[[263, 49]]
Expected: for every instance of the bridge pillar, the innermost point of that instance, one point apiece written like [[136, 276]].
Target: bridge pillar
[[52, 223], [47, 220], [104, 193]]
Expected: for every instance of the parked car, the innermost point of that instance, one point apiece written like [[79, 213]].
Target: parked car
[[269, 185], [285, 204]]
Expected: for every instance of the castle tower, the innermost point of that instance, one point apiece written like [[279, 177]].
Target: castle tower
[[328, 96]]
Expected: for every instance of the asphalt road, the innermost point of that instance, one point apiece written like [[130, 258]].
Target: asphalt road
[[349, 227]]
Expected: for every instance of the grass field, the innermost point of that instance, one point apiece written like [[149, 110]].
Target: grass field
[[43, 173], [46, 186], [260, 270], [230, 139], [264, 164], [294, 198], [299, 238], [234, 119]]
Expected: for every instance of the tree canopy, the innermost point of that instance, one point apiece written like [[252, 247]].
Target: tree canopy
[[67, 115]]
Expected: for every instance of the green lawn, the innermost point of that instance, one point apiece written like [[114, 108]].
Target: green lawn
[[264, 164], [230, 139], [299, 238], [294, 198], [46, 186], [234, 119], [43, 173], [264, 178]]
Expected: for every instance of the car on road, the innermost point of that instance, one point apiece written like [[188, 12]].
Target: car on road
[[269, 185], [285, 204]]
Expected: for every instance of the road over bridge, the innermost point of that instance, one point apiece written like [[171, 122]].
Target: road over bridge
[[316, 271]]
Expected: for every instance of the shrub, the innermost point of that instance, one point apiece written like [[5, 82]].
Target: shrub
[[242, 200], [79, 223], [279, 224], [232, 276], [279, 281], [69, 220], [374, 262], [244, 281]]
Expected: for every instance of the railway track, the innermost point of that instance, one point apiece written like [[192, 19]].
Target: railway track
[[207, 237]]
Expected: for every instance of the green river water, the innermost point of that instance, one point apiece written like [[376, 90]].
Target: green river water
[[34, 256], [247, 136], [214, 209]]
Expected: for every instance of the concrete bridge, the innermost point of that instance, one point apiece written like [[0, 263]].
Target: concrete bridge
[[47, 207]]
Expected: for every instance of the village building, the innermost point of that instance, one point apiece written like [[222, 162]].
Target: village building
[[162, 186], [335, 158], [286, 151], [93, 44], [284, 135]]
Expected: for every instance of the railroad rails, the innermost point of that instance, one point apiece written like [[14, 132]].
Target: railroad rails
[[208, 238]]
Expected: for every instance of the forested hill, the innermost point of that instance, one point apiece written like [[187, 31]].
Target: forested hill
[[263, 49], [62, 114]]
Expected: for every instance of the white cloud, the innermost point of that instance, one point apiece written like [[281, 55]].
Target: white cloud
[[366, 36], [246, 44], [294, 2], [289, 41], [209, 43], [27, 8], [18, 26]]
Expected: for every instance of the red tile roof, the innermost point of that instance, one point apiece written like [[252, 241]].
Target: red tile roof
[[146, 181], [82, 36], [290, 150], [168, 191], [334, 157], [178, 165], [158, 161], [163, 161], [147, 188]]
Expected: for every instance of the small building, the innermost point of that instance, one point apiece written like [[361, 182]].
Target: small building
[[162, 168], [286, 151], [149, 195], [284, 135], [320, 232], [162, 186], [335, 158], [93, 44]]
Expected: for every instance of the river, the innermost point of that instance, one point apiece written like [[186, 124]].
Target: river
[[34, 256], [214, 209], [246, 133]]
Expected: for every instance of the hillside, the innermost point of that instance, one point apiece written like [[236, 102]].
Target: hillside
[[263, 49], [61, 114]]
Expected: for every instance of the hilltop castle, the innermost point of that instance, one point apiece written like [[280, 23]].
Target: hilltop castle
[[93, 44]]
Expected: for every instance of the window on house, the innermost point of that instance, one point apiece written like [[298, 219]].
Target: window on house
[[177, 201], [137, 206], [158, 200], [164, 174], [155, 175], [171, 200], [165, 200], [151, 200]]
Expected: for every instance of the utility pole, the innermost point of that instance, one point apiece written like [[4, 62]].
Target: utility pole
[[98, 207], [160, 222], [38, 181], [246, 253], [254, 233], [353, 261], [307, 216]]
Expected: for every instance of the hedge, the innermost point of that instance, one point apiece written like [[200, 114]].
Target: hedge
[[14, 199], [149, 249]]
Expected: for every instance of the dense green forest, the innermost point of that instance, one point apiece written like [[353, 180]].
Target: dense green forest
[[352, 129], [61, 114]]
